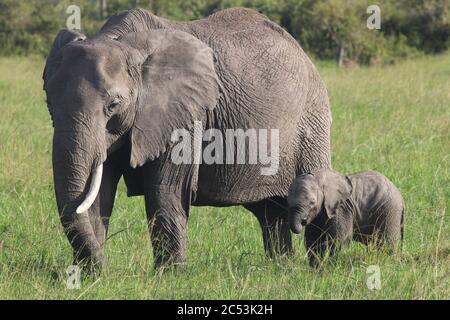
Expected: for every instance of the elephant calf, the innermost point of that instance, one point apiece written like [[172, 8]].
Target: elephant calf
[[364, 206]]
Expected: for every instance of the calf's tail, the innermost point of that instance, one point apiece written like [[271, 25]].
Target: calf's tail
[[402, 228]]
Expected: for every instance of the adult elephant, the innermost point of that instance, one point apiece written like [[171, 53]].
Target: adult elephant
[[116, 98]]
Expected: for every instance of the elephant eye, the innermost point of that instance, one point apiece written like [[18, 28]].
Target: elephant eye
[[114, 104]]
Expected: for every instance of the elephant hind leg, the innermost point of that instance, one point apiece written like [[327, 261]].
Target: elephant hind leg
[[273, 219]]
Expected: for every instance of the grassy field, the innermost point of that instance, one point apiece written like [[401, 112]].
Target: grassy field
[[394, 119]]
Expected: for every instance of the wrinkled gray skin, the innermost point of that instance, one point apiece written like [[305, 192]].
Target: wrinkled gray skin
[[116, 98], [335, 209]]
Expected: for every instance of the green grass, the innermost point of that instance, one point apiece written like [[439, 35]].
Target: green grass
[[393, 119]]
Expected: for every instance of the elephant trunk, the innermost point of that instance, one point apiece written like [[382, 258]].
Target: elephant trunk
[[297, 219], [74, 157]]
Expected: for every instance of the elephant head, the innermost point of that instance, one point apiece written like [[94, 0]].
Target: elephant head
[[314, 193], [105, 92]]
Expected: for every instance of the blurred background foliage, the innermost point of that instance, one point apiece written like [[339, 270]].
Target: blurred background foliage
[[326, 29]]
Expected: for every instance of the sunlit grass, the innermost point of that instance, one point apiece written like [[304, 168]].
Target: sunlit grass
[[394, 119]]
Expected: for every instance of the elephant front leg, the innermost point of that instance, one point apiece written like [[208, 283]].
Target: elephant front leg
[[100, 211], [320, 240], [167, 219]]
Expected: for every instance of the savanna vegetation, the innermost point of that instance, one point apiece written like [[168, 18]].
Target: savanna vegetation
[[392, 116], [394, 119]]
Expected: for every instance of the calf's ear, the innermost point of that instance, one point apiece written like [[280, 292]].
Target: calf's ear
[[336, 188]]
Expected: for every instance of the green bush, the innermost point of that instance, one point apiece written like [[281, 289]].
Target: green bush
[[424, 23], [322, 27], [407, 27]]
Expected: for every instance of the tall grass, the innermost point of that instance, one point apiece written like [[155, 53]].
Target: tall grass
[[393, 119]]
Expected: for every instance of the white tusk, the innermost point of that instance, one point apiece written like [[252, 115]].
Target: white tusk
[[94, 188]]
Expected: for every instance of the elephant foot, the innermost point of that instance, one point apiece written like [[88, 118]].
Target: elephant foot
[[169, 263], [315, 260], [91, 264], [169, 242], [280, 246], [170, 255]]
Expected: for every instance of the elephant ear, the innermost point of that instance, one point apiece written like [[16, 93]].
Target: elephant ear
[[54, 57], [336, 187], [179, 85]]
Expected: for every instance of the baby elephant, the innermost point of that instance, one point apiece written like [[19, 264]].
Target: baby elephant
[[335, 209]]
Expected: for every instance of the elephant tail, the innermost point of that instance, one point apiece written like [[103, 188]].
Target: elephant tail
[[402, 228]]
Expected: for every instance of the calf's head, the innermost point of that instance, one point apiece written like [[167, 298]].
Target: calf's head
[[311, 194]]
